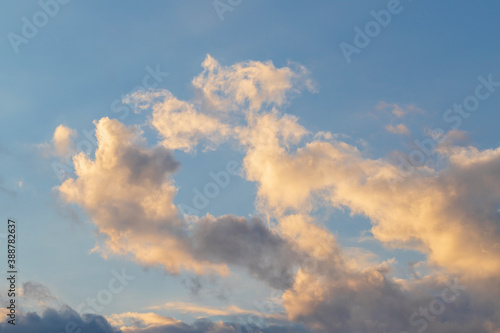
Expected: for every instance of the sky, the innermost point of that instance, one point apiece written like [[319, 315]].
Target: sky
[[251, 166]]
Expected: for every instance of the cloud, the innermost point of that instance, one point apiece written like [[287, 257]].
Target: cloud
[[207, 326], [398, 129], [248, 244], [227, 95], [230, 310], [128, 191], [249, 85], [39, 294], [67, 320], [399, 110], [450, 214], [450, 140], [179, 124], [59, 321], [49, 314], [369, 301], [130, 321], [63, 140], [62, 143], [359, 258], [208, 286]]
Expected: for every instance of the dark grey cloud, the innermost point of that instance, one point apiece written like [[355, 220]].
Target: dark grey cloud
[[152, 165], [67, 320], [52, 321], [247, 243]]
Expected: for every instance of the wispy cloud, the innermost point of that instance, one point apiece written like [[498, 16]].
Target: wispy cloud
[[230, 310], [399, 110], [398, 129]]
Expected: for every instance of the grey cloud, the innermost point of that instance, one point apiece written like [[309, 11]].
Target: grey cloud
[[211, 286], [149, 165], [247, 243], [38, 292], [376, 304], [67, 320]]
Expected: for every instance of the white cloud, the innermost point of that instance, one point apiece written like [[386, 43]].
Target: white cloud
[[179, 124], [250, 85]]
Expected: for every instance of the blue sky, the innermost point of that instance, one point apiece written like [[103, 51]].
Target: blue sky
[[91, 54]]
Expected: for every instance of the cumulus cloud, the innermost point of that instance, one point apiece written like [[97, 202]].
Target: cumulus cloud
[[128, 191], [450, 214], [59, 321], [458, 203]]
